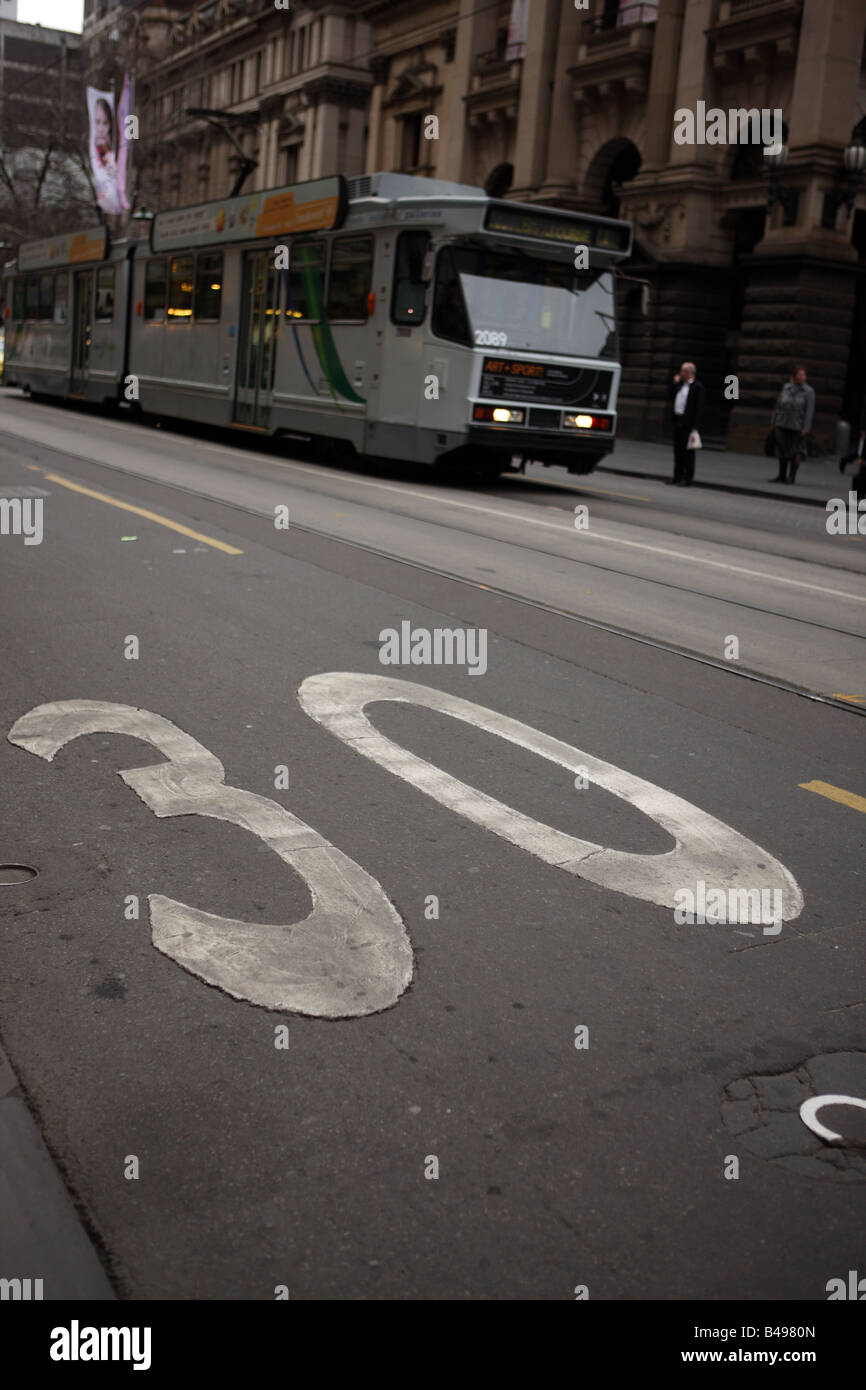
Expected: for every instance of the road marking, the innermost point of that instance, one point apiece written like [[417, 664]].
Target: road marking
[[605, 492], [704, 849], [530, 480], [809, 1110], [590, 534], [141, 511], [857, 803], [351, 956], [853, 699]]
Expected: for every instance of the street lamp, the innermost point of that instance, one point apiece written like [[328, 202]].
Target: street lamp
[[854, 160], [775, 158]]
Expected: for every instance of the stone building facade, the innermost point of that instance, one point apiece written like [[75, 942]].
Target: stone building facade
[[295, 82], [580, 98]]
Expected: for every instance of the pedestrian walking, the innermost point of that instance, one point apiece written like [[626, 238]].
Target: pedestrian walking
[[687, 401], [858, 452], [792, 421]]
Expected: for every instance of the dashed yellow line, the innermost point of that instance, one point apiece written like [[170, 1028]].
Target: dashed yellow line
[[142, 511], [605, 492], [532, 481], [857, 803]]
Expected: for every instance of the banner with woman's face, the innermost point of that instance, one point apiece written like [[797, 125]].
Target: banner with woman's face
[[104, 166]]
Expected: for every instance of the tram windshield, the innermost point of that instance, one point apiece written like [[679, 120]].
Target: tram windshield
[[507, 299]]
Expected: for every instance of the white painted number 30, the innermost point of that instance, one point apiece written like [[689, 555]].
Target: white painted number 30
[[352, 956]]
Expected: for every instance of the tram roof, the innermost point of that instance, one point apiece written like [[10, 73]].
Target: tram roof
[[398, 186], [329, 203], [408, 197]]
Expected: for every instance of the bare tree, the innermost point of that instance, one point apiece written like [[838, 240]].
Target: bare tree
[[44, 180]]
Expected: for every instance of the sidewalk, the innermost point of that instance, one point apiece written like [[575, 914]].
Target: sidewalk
[[817, 479]]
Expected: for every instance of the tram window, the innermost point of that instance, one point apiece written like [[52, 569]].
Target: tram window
[[154, 291], [180, 289], [31, 297], [105, 294], [408, 300], [18, 299], [305, 281], [208, 286], [61, 297], [46, 297], [450, 319], [350, 277]]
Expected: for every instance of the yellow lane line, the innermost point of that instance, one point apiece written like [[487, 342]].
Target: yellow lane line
[[857, 803], [142, 511], [532, 481], [603, 492], [854, 699]]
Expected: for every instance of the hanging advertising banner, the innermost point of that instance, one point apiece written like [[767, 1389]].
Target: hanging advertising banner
[[517, 27], [124, 154], [76, 248], [103, 149], [317, 206]]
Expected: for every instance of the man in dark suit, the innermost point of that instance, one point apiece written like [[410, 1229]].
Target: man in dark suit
[[687, 402]]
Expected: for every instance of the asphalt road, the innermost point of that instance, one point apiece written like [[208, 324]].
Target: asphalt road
[[310, 1165]]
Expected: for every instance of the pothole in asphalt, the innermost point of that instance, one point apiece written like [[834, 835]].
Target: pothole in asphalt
[[763, 1112], [15, 873]]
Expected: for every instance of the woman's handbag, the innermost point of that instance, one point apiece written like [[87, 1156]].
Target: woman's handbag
[[770, 444]]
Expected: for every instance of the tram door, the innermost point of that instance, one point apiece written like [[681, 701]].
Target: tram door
[[82, 330], [258, 339]]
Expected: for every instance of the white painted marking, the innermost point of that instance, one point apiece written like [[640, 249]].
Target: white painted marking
[[351, 956], [565, 527], [705, 848], [809, 1111]]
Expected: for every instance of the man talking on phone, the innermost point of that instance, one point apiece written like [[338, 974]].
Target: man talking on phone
[[687, 400]]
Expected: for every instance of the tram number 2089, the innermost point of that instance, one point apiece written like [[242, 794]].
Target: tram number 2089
[[490, 337]]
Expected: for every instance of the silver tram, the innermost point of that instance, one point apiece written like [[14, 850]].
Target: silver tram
[[404, 317]]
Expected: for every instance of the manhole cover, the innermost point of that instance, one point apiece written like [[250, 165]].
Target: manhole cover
[[15, 873]]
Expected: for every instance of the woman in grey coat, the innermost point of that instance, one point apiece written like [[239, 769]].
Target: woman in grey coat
[[792, 421]]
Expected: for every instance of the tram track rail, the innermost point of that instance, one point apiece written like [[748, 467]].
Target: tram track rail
[[539, 605]]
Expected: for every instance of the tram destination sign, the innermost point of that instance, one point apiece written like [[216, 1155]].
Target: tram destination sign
[[515, 379], [317, 206], [75, 248], [567, 231]]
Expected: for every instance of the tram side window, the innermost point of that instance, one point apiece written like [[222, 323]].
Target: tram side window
[[305, 281], [408, 301], [105, 294], [46, 297], [349, 280], [31, 297], [450, 319], [18, 299], [61, 297], [208, 286], [154, 291], [180, 290]]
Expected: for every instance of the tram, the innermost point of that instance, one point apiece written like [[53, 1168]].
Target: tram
[[404, 317]]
